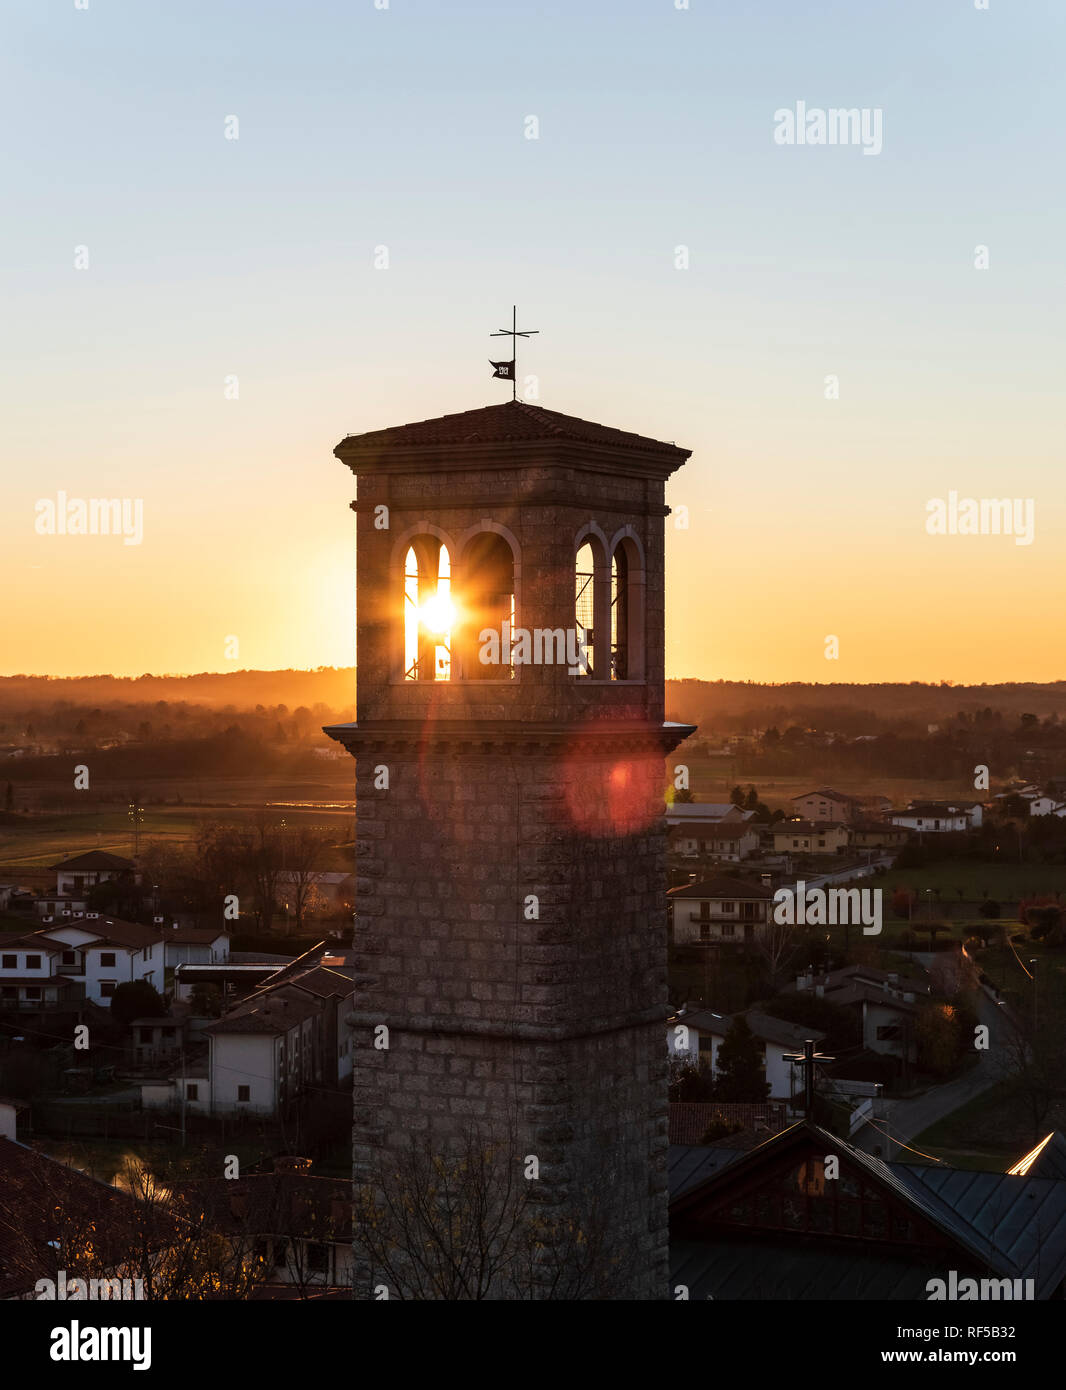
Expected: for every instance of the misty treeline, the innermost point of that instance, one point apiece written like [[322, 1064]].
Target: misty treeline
[[738, 707], [1006, 743], [333, 686], [142, 742]]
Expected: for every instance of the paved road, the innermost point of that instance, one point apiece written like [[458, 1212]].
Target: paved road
[[904, 1119]]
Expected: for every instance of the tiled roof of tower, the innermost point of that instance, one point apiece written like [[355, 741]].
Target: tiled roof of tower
[[516, 421]]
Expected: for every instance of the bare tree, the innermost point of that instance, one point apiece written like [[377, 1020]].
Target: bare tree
[[470, 1226], [305, 850]]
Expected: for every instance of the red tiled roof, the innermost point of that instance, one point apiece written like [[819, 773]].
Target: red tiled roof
[[723, 830], [95, 859], [515, 421], [192, 936], [720, 887], [690, 1120], [43, 1201], [293, 1204]]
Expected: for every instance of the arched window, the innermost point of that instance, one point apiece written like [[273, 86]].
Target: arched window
[[627, 610], [592, 602], [486, 601], [619, 615], [585, 604], [428, 611]]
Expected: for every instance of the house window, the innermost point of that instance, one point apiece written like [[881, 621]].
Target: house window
[[33, 962], [244, 1093], [33, 992], [822, 843], [317, 1257], [168, 1034], [145, 1035], [728, 929], [107, 988], [729, 907], [107, 958], [192, 1091], [9, 962], [70, 957], [9, 992], [705, 931]]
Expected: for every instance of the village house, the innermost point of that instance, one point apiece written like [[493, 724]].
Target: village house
[[157, 1039], [807, 837], [869, 834], [718, 909], [705, 813], [697, 1034], [92, 951], [74, 877], [298, 1224], [729, 841], [887, 1004], [932, 817], [826, 805], [287, 1035]]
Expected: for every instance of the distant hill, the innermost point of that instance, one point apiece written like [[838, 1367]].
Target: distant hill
[[327, 685], [739, 707], [717, 706]]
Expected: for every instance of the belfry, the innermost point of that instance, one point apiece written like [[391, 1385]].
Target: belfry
[[510, 923]]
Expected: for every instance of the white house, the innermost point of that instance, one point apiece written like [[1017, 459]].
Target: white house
[[931, 818], [74, 877], [99, 953], [887, 1003], [718, 909], [729, 841], [699, 1033], [1047, 806]]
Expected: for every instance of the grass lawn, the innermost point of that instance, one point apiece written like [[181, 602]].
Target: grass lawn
[[1002, 882], [989, 1133], [1002, 967]]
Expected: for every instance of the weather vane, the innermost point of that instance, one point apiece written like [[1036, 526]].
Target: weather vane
[[509, 370]]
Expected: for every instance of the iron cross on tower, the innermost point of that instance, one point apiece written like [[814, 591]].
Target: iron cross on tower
[[807, 1059], [510, 369]]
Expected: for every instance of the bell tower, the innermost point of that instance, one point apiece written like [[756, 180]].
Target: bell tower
[[510, 923]]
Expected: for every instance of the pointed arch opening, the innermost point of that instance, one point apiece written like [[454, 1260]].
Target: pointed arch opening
[[428, 611], [486, 602], [627, 610]]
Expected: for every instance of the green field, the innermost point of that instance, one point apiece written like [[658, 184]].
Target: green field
[[989, 1133], [1002, 882], [40, 841]]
